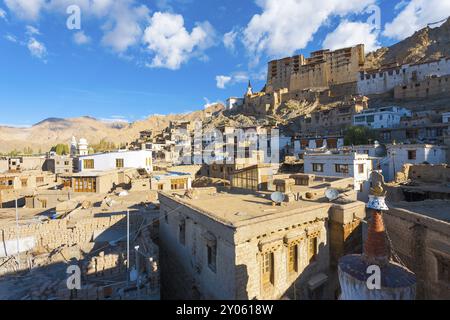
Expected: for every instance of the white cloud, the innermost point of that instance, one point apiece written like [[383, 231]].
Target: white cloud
[[123, 28], [171, 44], [229, 40], [416, 15], [2, 14], [209, 103], [286, 26], [222, 81], [26, 9], [11, 38], [237, 77], [37, 49], [81, 38], [30, 30], [349, 33], [123, 20]]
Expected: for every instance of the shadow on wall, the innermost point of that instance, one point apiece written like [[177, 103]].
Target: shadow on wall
[[102, 263]]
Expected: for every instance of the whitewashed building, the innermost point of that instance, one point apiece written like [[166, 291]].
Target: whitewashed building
[[400, 154], [140, 159], [303, 144], [383, 80], [340, 164], [386, 117]]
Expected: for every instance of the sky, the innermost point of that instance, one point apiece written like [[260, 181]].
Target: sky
[[123, 60]]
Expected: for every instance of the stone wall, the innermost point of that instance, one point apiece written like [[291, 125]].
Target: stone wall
[[419, 241]]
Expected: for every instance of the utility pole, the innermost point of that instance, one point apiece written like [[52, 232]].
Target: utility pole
[[137, 272], [17, 231], [128, 246]]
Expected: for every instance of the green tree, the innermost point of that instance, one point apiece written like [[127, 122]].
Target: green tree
[[356, 135], [104, 145], [61, 149], [27, 151]]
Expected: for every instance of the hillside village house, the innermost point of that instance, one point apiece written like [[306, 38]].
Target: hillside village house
[[401, 154], [341, 164], [140, 159], [301, 144], [386, 117]]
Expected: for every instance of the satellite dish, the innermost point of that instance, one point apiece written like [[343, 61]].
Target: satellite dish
[[380, 151], [277, 197], [331, 194]]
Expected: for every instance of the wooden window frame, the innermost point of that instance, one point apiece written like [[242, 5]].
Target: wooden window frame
[[292, 259], [268, 270], [88, 164], [120, 163]]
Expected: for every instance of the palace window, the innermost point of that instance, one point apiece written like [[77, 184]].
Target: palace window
[[412, 154], [212, 256], [267, 269], [312, 249], [88, 164], [341, 168], [360, 168], [317, 167], [293, 259], [443, 269], [119, 163]]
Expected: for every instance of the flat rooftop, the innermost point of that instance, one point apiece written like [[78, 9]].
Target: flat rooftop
[[133, 201], [235, 208], [436, 209]]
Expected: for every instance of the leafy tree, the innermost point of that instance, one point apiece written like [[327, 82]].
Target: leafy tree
[[356, 135], [27, 151], [14, 153], [104, 145], [61, 149]]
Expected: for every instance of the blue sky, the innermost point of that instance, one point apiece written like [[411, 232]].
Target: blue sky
[[131, 58]]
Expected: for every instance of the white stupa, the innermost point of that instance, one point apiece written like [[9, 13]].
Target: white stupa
[[83, 147]]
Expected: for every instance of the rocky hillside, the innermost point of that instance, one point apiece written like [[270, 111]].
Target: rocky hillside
[[426, 44]]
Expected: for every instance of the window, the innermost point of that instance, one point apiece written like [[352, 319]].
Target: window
[[443, 269], [212, 255], [360, 168], [66, 163], [160, 186], [317, 167], [177, 184], [182, 232], [267, 269], [312, 249], [88, 164], [119, 163], [39, 179], [341, 168], [412, 154], [85, 185], [292, 259], [24, 183]]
